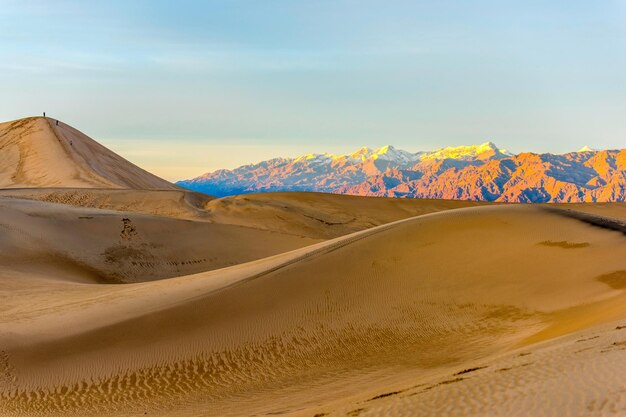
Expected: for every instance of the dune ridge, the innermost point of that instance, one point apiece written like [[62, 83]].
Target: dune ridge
[[39, 153]]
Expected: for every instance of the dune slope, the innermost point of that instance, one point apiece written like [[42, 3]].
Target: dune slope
[[92, 245], [38, 153], [314, 215], [168, 203], [320, 329], [320, 215]]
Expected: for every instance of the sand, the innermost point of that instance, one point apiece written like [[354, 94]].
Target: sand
[[182, 204], [38, 153], [106, 246], [400, 308], [613, 210], [124, 295], [313, 215], [321, 215]]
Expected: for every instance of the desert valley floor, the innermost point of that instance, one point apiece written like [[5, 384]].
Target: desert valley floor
[[124, 295]]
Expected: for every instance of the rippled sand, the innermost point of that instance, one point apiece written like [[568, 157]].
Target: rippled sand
[[496, 310]]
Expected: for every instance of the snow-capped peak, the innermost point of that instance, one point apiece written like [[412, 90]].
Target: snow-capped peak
[[389, 153], [586, 149], [314, 158], [487, 149], [386, 153], [361, 154], [478, 172]]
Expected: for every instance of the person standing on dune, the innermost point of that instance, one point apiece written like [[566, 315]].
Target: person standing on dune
[[44, 114]]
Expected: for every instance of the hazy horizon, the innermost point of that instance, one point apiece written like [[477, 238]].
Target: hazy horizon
[[156, 160], [182, 90]]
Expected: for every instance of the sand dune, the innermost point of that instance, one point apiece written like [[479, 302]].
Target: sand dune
[[325, 328], [321, 215], [38, 153], [314, 215], [104, 246], [169, 203]]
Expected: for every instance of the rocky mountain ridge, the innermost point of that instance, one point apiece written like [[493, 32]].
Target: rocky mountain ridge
[[480, 172]]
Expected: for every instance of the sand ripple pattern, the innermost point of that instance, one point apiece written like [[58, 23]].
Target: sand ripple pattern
[[413, 300]]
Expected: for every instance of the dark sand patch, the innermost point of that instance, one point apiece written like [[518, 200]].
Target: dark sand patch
[[564, 244], [615, 280]]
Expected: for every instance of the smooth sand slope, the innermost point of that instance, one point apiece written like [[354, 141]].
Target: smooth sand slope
[[377, 322], [38, 153]]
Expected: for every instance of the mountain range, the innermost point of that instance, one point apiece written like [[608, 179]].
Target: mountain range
[[480, 172]]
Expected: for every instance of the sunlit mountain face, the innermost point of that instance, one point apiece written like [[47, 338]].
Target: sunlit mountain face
[[481, 172]]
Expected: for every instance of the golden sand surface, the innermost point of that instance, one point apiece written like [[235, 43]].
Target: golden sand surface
[[390, 320], [124, 295], [315, 215], [38, 153]]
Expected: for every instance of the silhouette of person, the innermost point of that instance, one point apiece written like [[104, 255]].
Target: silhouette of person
[[57, 122], [44, 114]]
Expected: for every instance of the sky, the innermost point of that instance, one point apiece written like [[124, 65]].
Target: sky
[[186, 87]]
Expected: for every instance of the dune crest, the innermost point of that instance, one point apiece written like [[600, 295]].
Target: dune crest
[[38, 153]]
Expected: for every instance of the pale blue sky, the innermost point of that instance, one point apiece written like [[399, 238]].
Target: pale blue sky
[[190, 86]]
